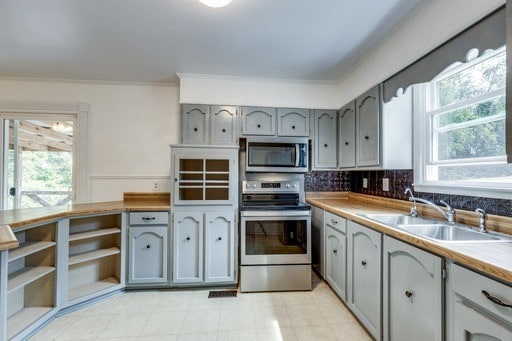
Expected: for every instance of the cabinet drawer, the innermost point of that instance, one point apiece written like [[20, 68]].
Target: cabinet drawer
[[149, 218], [470, 285], [335, 221]]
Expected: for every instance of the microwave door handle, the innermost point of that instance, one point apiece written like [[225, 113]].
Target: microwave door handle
[[297, 155]]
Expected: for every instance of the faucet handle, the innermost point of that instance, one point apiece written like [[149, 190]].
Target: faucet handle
[[482, 213], [448, 207], [483, 216]]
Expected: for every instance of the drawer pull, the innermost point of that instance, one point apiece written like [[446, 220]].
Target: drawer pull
[[148, 218], [495, 300], [408, 293]]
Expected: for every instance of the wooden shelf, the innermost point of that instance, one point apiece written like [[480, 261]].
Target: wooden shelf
[[88, 256], [25, 276], [28, 248], [94, 233], [93, 287], [23, 318]]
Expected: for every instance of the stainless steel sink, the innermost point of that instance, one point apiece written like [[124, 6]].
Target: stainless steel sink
[[432, 229]]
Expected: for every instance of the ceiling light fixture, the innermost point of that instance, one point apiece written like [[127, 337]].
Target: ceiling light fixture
[[215, 3]]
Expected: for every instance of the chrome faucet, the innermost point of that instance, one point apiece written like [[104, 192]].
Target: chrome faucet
[[414, 209], [483, 216], [449, 214]]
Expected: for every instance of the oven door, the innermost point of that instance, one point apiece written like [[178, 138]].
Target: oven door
[[275, 238]]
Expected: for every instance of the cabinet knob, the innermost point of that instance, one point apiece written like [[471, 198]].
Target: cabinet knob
[[188, 238], [219, 239], [293, 127], [363, 263], [223, 130], [325, 145], [346, 143], [367, 138], [195, 129], [148, 247], [335, 251], [408, 293], [259, 125]]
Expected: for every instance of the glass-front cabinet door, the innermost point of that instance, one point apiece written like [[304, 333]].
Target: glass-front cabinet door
[[204, 176]]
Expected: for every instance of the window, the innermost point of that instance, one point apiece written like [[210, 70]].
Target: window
[[461, 127]]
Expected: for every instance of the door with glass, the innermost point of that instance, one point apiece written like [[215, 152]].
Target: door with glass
[[37, 161]]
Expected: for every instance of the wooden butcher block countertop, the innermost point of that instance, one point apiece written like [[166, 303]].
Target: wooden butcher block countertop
[[493, 259]]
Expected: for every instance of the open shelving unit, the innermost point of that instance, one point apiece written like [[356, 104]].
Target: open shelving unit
[[31, 292], [94, 259]]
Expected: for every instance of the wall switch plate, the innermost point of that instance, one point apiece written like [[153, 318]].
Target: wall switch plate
[[156, 186], [385, 184], [365, 183]]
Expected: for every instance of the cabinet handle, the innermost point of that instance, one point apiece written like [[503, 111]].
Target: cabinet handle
[[367, 138], [363, 263], [293, 127], [188, 238], [223, 130], [219, 239], [325, 145], [335, 251], [346, 143], [148, 247], [495, 300], [259, 125], [148, 218], [408, 293], [195, 129]]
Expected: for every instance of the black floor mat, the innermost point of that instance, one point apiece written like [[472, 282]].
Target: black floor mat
[[224, 293]]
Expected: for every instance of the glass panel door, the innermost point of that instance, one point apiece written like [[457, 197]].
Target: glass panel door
[[37, 163], [276, 237]]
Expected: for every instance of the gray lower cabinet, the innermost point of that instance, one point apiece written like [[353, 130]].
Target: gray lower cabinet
[[259, 121], [478, 308], [364, 274], [325, 139], [412, 293], [147, 258], [203, 246], [293, 122], [336, 254]]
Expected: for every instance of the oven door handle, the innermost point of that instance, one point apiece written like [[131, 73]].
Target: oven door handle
[[297, 155]]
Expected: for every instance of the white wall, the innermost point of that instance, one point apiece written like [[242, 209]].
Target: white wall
[[131, 128], [430, 26], [214, 89]]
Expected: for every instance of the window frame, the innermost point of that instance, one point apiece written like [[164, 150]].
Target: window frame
[[424, 108]]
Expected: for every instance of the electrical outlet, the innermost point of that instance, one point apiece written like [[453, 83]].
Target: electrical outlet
[[156, 186], [385, 184], [365, 183]]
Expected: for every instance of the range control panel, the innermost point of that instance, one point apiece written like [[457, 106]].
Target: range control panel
[[270, 186]]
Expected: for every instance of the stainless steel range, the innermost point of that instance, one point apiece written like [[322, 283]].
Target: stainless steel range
[[275, 236]]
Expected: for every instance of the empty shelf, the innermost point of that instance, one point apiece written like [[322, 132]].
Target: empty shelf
[[25, 276], [88, 256], [93, 287], [93, 233], [23, 318], [28, 248]]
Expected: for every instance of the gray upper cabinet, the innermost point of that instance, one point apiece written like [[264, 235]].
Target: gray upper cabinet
[[368, 127], [259, 121], [293, 122], [412, 287], [195, 119], [364, 274], [324, 152], [223, 125], [347, 136], [203, 124]]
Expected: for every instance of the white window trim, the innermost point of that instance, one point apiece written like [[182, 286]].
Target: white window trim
[[81, 143], [422, 157]]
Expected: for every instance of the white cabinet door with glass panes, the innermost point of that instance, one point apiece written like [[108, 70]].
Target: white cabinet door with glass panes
[[204, 175]]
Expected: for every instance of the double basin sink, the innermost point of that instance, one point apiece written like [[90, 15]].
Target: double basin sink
[[434, 230]]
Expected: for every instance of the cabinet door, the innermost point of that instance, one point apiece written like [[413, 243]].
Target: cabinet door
[[325, 139], [317, 240], [368, 126], [220, 247], [147, 251], [195, 124], [223, 125], [293, 122], [336, 260], [259, 121], [347, 136], [188, 247], [412, 287], [469, 324], [364, 274]]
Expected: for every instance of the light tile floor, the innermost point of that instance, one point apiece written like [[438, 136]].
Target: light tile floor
[[191, 315]]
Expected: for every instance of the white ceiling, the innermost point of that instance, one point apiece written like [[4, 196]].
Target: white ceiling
[[152, 40]]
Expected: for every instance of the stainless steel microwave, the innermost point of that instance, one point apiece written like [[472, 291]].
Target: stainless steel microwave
[[282, 155]]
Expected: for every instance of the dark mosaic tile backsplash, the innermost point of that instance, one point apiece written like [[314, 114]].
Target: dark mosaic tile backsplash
[[399, 180]]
